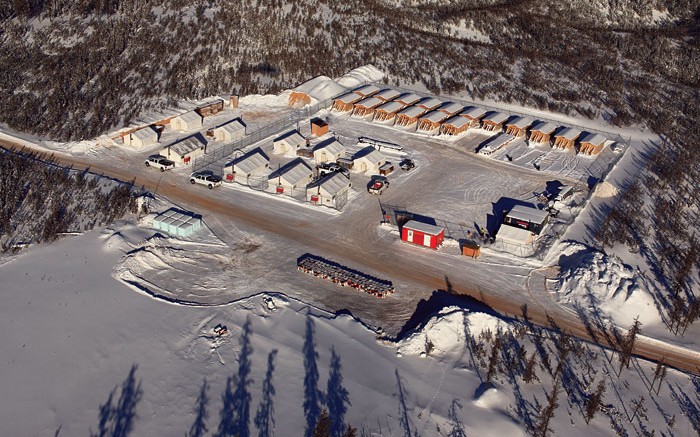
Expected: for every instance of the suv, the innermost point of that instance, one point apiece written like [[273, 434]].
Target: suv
[[331, 167], [161, 162], [208, 179], [377, 185], [407, 164]]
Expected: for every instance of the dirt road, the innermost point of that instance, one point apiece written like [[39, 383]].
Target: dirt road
[[361, 251]]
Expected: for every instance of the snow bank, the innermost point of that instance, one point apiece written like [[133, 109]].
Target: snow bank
[[360, 75], [267, 100], [600, 282]]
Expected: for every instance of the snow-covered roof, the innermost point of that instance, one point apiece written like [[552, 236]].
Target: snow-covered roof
[[349, 98], [387, 94], [320, 88], [521, 122], [190, 117], [451, 108], [497, 142], [146, 133], [435, 116], [359, 75], [429, 103], [294, 172], [412, 111], [251, 161], [457, 121], [496, 117], [408, 98], [544, 127], [366, 90], [233, 127], [528, 213], [291, 138], [178, 218], [208, 103], [332, 145], [593, 138], [188, 144], [569, 133], [514, 235], [369, 102], [390, 107], [332, 184], [423, 227], [474, 113], [370, 154]]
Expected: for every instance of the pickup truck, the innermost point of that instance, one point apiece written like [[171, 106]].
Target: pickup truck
[[377, 185], [208, 179], [160, 162]]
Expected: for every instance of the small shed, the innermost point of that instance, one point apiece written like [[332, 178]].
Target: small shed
[[328, 150], [432, 120], [566, 139], [542, 132], [592, 144], [455, 125], [294, 175], [319, 88], [366, 90], [429, 103], [386, 168], [230, 131], [514, 236], [345, 102], [474, 114], [325, 191], [365, 107], [143, 137], [526, 217], [318, 127], [186, 149], [186, 122], [387, 111], [253, 163], [210, 108], [495, 143], [518, 126], [494, 121], [470, 248], [288, 143], [368, 159], [451, 108], [387, 95], [422, 234], [408, 99], [409, 116], [177, 222]]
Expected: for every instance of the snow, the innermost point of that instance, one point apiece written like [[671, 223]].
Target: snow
[[360, 76]]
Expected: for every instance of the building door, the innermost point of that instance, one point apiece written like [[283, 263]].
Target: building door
[[409, 235], [426, 240]]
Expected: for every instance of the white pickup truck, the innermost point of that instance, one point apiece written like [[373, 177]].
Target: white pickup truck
[[208, 179], [160, 162]]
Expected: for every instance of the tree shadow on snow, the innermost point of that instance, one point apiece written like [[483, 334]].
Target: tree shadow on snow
[[312, 396], [404, 420], [235, 411], [117, 416], [337, 397], [199, 427], [265, 416]]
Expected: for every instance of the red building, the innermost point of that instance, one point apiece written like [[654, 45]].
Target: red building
[[422, 234]]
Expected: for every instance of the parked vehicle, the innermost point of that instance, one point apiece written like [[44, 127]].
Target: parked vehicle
[[160, 162], [331, 167], [208, 179], [377, 185], [407, 164]]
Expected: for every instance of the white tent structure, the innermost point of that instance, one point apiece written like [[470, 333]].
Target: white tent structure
[[369, 160], [187, 122], [177, 222], [327, 190], [294, 175], [253, 163], [183, 151], [319, 88], [143, 137], [230, 131], [288, 143], [328, 150]]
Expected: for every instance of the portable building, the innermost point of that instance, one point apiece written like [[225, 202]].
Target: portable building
[[318, 127], [566, 139], [494, 121], [366, 90], [253, 163], [177, 222], [470, 248], [455, 125], [409, 116], [210, 108], [295, 175], [541, 132], [495, 143], [328, 150], [513, 236], [592, 144], [143, 137], [230, 131], [366, 106], [186, 122], [474, 115], [432, 120], [387, 95], [429, 103], [368, 159], [527, 217], [408, 99], [518, 126], [288, 143], [327, 190], [345, 102], [423, 234], [387, 111], [186, 149], [319, 88]]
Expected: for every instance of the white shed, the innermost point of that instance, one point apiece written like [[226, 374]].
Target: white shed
[[186, 149], [141, 138], [253, 163], [327, 190], [288, 143], [368, 159], [328, 150], [295, 174], [187, 122], [230, 131]]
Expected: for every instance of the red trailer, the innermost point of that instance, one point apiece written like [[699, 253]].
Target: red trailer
[[422, 234]]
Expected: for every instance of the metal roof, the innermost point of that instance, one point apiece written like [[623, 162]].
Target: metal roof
[[190, 116], [251, 161], [497, 117], [369, 102], [528, 213], [593, 138], [366, 90], [521, 122], [332, 145], [474, 113], [408, 98], [451, 108], [294, 172], [435, 116], [233, 127], [423, 227], [349, 98], [457, 121], [387, 94], [390, 107], [412, 111], [292, 138], [429, 103], [569, 133], [370, 154], [332, 184], [544, 127], [187, 145]]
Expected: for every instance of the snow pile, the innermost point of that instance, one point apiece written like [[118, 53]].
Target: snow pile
[[606, 190], [268, 100], [599, 282], [360, 76]]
